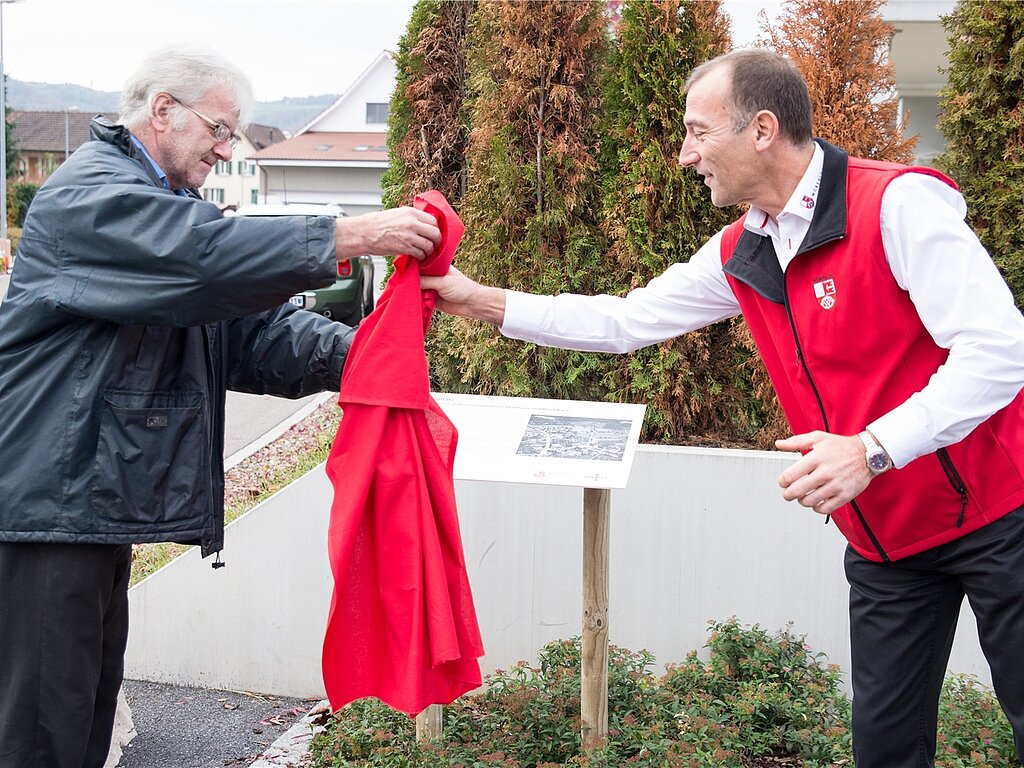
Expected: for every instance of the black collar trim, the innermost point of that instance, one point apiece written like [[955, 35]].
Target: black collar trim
[[753, 260]]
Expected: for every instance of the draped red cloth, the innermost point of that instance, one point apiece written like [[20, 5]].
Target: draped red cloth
[[402, 625]]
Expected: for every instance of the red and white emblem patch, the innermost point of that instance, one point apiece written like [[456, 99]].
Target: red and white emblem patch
[[825, 293], [807, 202]]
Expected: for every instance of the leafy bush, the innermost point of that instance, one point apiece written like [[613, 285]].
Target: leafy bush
[[759, 700], [973, 732], [22, 195], [761, 696]]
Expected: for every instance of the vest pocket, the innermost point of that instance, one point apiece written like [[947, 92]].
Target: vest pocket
[[955, 480], [151, 458]]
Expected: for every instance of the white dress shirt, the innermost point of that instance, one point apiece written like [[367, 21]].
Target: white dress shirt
[[959, 294]]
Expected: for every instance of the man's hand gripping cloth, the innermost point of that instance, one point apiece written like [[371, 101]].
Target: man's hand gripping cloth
[[402, 626]]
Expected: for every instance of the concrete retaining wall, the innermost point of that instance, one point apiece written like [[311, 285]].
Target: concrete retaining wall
[[699, 535]]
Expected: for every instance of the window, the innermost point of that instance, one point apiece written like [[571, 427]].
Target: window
[[254, 196], [376, 114], [222, 168], [213, 195]]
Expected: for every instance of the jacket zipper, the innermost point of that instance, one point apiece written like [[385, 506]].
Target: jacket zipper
[[955, 480], [824, 416], [211, 390]]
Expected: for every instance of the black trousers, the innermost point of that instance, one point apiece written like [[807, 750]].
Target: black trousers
[[63, 632], [902, 619]]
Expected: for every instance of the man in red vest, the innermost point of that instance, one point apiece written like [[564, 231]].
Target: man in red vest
[[897, 354]]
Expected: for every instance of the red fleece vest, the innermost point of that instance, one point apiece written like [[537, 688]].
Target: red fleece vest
[[847, 347]]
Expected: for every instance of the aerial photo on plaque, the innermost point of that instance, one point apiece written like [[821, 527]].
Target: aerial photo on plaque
[[550, 442], [575, 437]]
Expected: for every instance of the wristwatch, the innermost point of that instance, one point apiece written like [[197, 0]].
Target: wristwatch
[[877, 459]]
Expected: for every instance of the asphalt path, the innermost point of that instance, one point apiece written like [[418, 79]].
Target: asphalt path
[[182, 727]]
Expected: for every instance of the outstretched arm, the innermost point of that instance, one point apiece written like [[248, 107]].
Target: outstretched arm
[[458, 295]]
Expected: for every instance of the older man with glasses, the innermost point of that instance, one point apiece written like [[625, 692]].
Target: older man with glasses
[[133, 307]]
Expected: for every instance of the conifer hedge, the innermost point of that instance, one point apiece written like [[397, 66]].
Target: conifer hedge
[[697, 386], [532, 204], [982, 119], [554, 129]]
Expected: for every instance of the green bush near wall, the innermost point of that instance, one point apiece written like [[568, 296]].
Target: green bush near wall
[[759, 700]]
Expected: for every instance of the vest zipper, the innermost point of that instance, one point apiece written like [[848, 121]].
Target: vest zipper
[[955, 480], [867, 528], [824, 416]]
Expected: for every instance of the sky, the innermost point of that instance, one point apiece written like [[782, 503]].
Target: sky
[[287, 47]]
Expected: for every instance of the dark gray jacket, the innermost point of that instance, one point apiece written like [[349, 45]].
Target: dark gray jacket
[[129, 313]]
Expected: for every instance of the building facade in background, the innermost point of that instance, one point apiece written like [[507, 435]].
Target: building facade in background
[[918, 51], [44, 139], [341, 155]]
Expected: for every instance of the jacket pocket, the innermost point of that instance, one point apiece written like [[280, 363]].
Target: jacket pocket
[[954, 480], [151, 458]]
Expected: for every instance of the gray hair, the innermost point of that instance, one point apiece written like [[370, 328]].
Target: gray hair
[[188, 74]]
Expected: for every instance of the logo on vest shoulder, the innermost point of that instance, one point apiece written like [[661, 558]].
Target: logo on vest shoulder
[[825, 293]]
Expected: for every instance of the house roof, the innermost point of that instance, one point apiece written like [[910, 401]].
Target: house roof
[[40, 131], [261, 136], [325, 146], [44, 131], [311, 125]]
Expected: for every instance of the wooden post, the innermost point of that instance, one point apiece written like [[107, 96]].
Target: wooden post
[[594, 657], [430, 722]]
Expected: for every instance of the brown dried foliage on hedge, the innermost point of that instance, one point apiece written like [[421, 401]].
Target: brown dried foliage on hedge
[[841, 49], [557, 137]]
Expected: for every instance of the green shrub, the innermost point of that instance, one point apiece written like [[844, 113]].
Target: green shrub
[[973, 731], [22, 195], [761, 696], [759, 700]]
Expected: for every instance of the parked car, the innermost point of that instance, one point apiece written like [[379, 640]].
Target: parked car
[[350, 299]]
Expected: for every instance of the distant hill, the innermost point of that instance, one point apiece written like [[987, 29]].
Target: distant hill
[[288, 114]]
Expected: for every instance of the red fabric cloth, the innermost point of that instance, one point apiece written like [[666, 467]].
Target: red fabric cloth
[[402, 625]]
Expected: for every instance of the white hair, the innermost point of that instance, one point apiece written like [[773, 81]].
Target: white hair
[[188, 74]]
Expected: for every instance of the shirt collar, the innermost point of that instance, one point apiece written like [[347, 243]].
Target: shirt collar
[[156, 167], [801, 203]]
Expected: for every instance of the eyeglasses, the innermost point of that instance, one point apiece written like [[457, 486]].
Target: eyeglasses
[[221, 132]]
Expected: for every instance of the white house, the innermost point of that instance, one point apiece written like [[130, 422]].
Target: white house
[[340, 156], [237, 181], [919, 51]]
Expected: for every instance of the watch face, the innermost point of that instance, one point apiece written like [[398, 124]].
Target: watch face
[[878, 461]]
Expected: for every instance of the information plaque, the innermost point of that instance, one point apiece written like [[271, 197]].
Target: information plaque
[[545, 442]]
